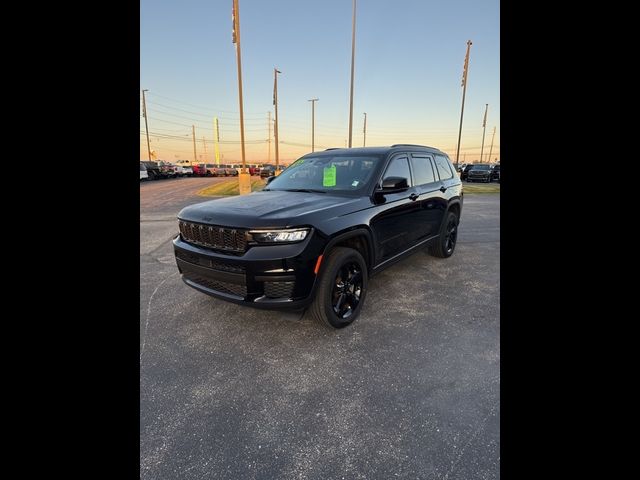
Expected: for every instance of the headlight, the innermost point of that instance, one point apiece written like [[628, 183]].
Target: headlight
[[279, 236]]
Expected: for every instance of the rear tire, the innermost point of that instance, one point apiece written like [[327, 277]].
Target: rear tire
[[342, 288], [446, 242]]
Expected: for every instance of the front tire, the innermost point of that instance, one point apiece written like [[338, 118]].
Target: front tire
[[446, 242], [342, 288]]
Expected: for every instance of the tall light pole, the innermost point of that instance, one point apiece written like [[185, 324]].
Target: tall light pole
[[275, 102], [491, 148], [216, 139], [269, 140], [364, 143], [244, 179], [313, 122], [484, 129], [146, 125], [353, 55], [193, 134], [465, 71]]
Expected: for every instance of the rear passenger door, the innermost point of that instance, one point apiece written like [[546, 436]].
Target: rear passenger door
[[431, 199]]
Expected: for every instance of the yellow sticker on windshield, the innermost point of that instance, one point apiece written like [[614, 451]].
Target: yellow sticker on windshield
[[329, 178]]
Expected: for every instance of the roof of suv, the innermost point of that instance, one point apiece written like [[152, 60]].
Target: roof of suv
[[380, 150]]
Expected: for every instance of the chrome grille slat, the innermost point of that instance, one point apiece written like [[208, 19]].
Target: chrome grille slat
[[212, 236]]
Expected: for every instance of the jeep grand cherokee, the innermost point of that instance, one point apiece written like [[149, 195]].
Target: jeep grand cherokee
[[316, 233]]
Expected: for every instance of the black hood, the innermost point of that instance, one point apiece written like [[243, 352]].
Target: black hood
[[272, 209]]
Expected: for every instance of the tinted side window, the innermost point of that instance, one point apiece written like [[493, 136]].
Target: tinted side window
[[399, 167], [444, 170], [422, 170]]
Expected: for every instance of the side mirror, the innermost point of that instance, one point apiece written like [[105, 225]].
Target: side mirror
[[270, 179], [394, 185]]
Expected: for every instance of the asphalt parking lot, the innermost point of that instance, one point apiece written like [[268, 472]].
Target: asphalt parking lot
[[410, 390]]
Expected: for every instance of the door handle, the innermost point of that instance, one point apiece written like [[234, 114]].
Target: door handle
[[443, 189], [414, 196]]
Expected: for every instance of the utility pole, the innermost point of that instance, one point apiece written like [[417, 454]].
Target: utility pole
[[313, 122], [146, 125], [244, 178], [491, 149], [364, 143], [193, 134], [216, 136], [275, 102], [484, 129], [269, 140], [205, 150], [465, 71], [353, 55]]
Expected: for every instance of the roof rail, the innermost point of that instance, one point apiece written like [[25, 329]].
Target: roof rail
[[408, 145], [332, 148]]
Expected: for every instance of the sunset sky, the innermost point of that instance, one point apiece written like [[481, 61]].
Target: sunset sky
[[408, 70]]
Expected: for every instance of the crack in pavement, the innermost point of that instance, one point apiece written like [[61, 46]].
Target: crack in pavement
[[476, 431], [146, 325]]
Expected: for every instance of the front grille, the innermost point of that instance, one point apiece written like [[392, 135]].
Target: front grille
[[206, 262], [278, 289], [223, 287], [229, 240]]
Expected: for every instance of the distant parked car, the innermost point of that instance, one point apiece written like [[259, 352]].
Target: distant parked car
[[153, 170], [143, 172], [199, 169], [216, 170], [184, 170], [267, 171], [495, 173], [465, 171], [479, 172], [167, 170], [231, 170]]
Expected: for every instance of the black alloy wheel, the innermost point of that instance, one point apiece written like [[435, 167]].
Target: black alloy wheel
[[347, 289], [445, 244], [341, 289]]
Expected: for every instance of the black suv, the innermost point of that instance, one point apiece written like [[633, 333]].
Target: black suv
[[317, 232], [480, 172], [495, 173], [465, 171]]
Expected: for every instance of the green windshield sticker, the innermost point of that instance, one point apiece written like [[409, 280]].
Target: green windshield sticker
[[329, 179]]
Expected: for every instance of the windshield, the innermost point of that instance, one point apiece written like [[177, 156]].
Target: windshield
[[480, 167], [327, 173]]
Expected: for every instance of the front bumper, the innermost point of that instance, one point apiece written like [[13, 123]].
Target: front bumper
[[272, 276], [478, 177]]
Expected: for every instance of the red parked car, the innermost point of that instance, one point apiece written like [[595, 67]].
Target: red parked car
[[199, 169]]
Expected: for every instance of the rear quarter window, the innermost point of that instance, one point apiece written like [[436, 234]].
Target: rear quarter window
[[444, 167]]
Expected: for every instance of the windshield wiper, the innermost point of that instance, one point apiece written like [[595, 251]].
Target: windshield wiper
[[307, 190]]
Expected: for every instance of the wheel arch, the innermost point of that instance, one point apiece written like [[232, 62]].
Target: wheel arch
[[359, 238]]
